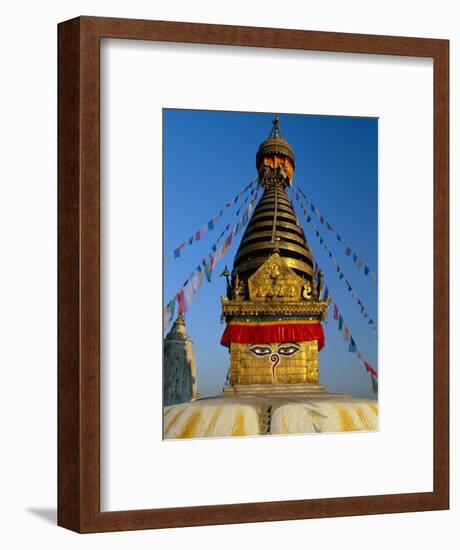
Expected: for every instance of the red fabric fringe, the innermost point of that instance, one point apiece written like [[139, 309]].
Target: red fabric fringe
[[264, 334]]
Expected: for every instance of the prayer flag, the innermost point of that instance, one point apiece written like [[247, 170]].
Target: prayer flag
[[355, 257], [208, 271], [198, 235], [171, 306], [211, 224], [352, 346], [340, 322], [190, 241], [370, 369], [312, 207], [182, 304], [336, 313], [375, 384], [326, 293], [339, 238], [189, 293], [366, 270], [347, 251], [346, 333], [176, 253]]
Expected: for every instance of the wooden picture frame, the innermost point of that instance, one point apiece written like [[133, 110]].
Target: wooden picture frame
[[79, 274]]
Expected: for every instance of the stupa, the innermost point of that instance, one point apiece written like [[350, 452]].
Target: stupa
[[179, 369], [273, 306]]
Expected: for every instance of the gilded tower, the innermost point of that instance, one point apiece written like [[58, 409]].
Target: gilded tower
[[273, 307]]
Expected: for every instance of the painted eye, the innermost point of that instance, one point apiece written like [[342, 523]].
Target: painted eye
[[288, 350], [260, 351]]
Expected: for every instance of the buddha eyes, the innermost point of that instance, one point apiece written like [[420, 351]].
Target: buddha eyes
[[285, 350], [288, 350], [260, 351]]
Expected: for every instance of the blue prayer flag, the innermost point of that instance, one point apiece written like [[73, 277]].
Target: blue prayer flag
[[352, 345]]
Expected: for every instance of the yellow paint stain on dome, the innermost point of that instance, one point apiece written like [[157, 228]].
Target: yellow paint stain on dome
[[284, 427], [363, 419], [174, 419], [211, 428], [346, 421], [238, 426], [374, 407], [191, 427]]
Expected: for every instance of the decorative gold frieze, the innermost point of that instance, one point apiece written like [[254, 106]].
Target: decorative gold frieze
[[314, 309]]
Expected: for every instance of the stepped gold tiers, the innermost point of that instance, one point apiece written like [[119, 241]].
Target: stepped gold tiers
[[273, 306]]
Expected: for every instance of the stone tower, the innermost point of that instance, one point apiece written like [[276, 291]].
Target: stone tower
[[273, 308], [179, 369]]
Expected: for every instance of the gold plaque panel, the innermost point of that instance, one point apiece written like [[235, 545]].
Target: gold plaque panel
[[246, 368], [274, 280]]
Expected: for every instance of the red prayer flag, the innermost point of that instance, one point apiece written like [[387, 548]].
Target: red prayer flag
[[370, 369], [182, 304]]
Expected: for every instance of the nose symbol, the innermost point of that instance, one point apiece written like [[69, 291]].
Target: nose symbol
[[274, 360]]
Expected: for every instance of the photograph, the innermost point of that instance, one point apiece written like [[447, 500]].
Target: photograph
[[270, 274]]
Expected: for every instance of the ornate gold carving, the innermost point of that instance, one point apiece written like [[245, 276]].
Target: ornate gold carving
[[238, 288], [275, 281], [315, 309], [307, 290]]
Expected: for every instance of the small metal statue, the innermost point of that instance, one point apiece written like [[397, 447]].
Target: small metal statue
[[226, 273], [320, 283], [238, 288]]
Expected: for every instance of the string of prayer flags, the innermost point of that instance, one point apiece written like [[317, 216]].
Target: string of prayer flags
[[210, 225], [348, 337], [352, 347], [341, 275], [193, 282], [347, 248]]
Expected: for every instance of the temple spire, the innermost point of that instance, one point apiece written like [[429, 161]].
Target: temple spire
[[276, 128]]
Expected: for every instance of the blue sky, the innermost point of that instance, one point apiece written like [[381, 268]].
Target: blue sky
[[209, 156]]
